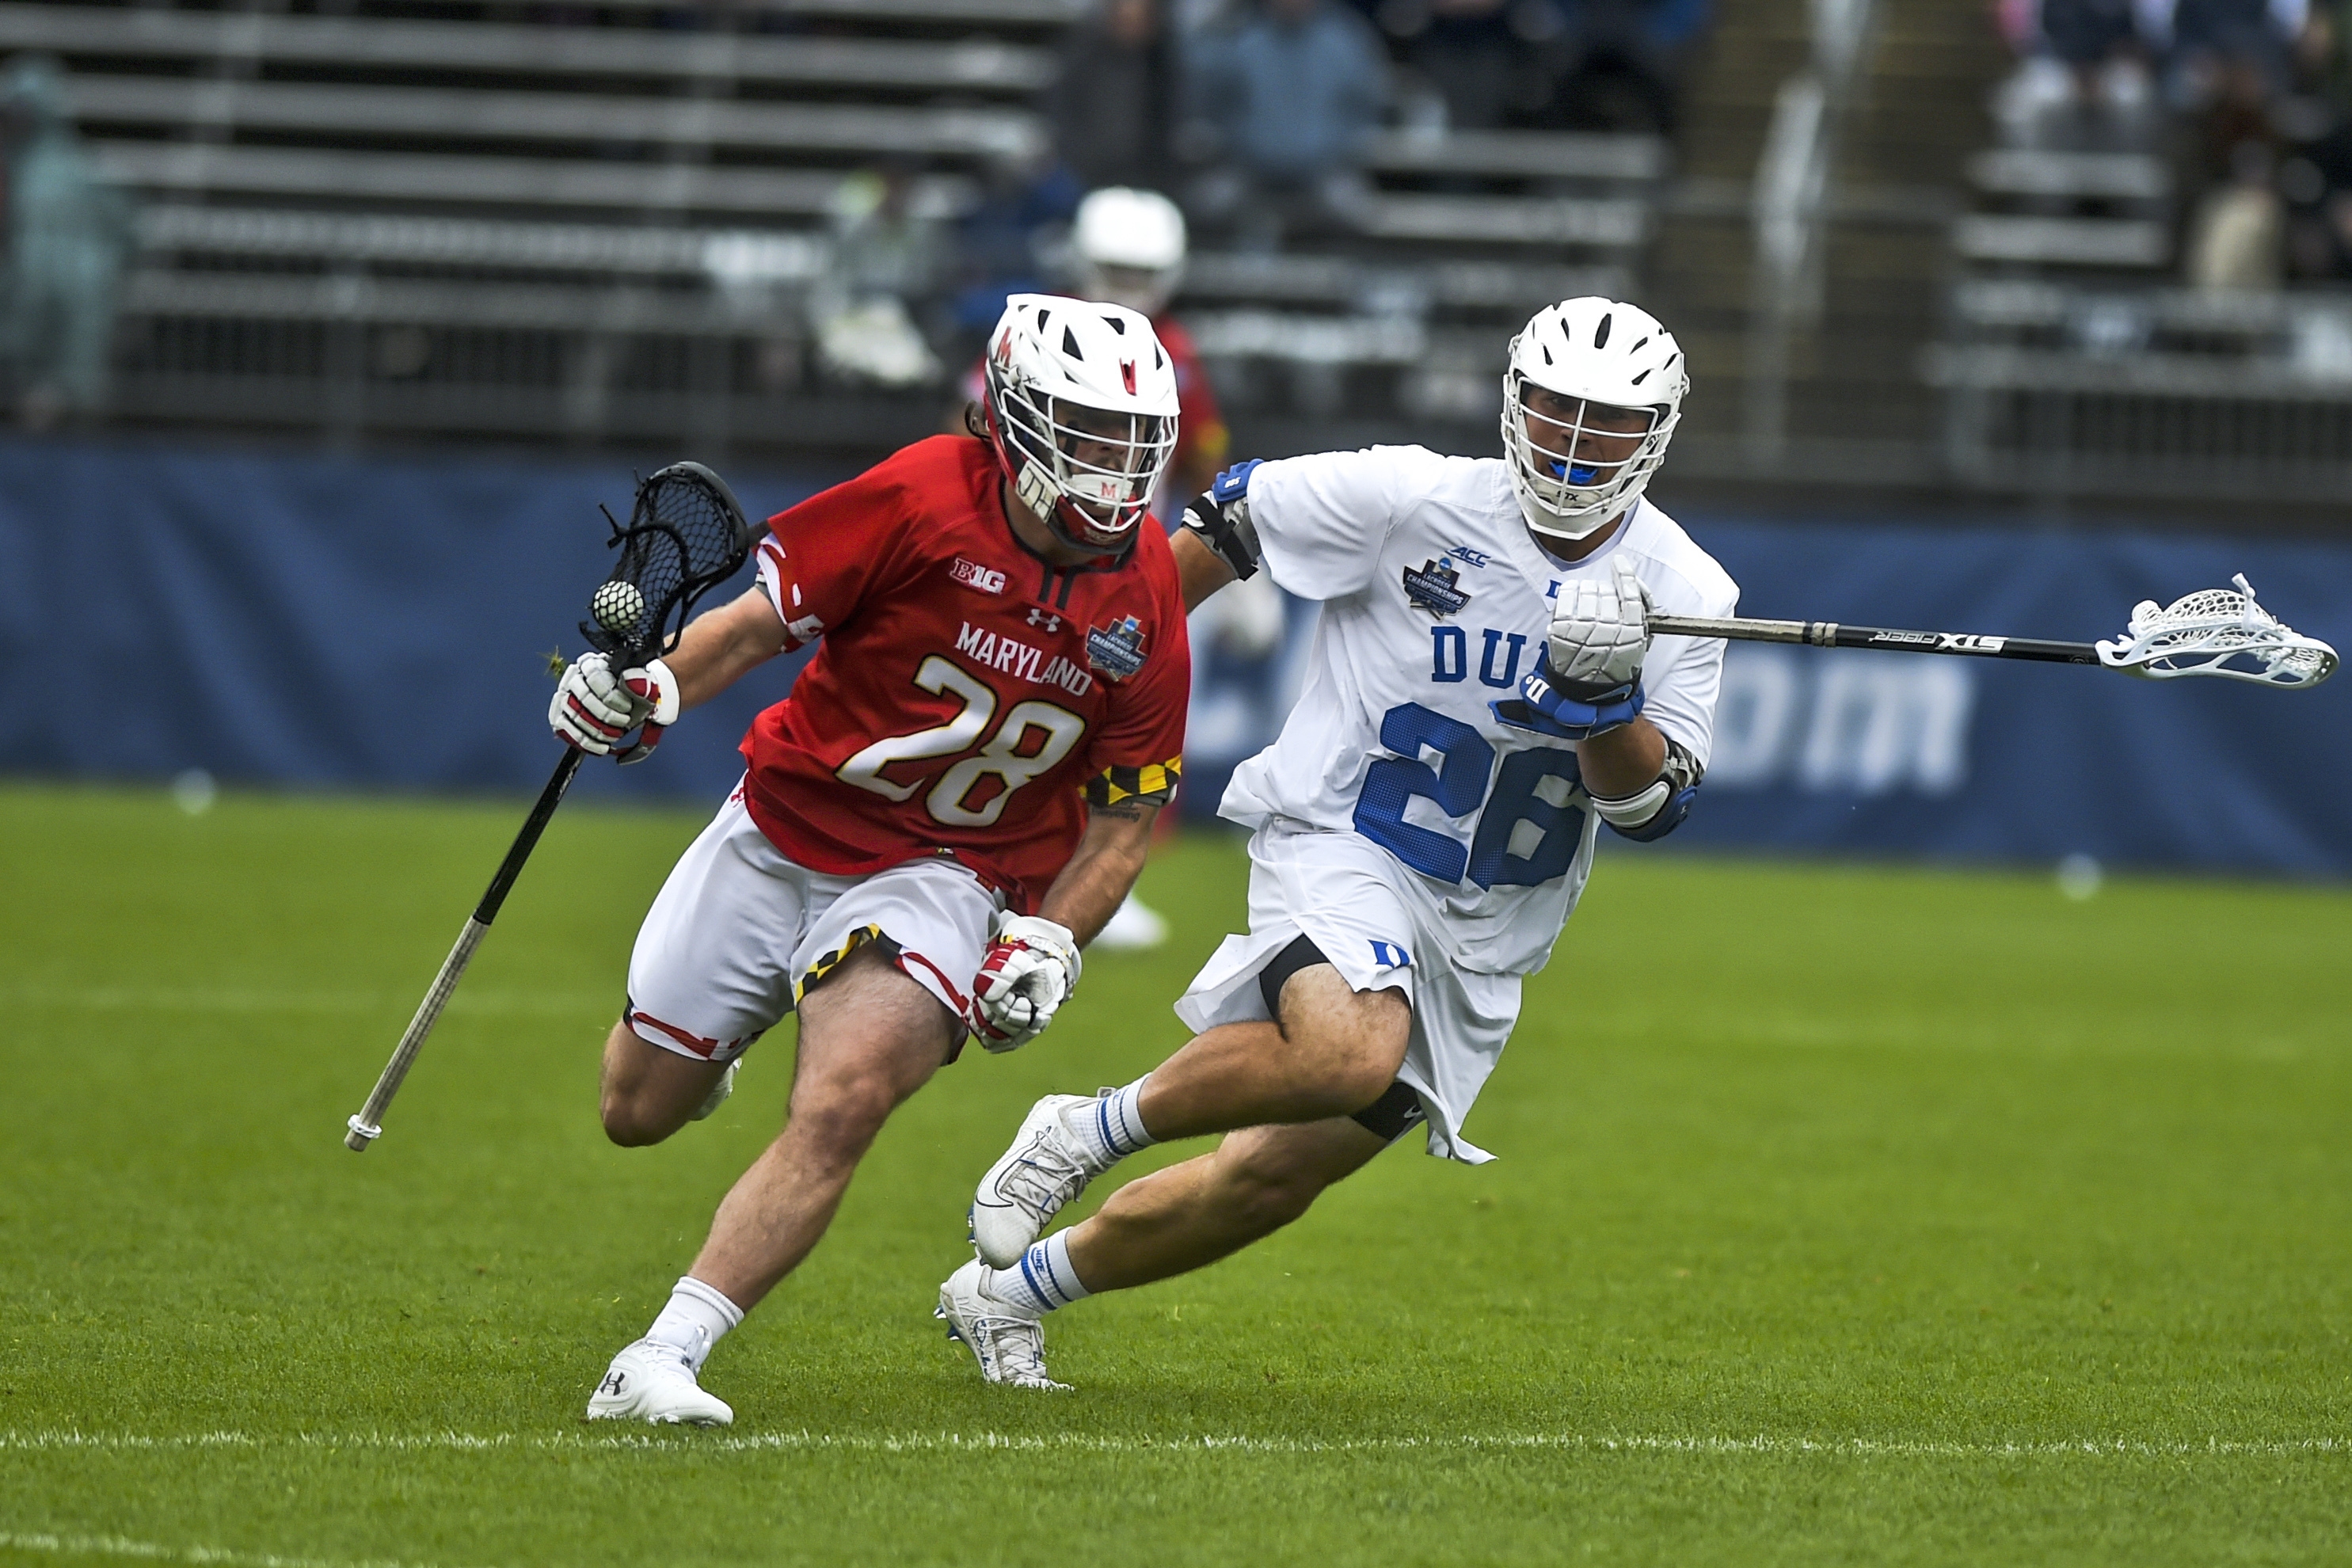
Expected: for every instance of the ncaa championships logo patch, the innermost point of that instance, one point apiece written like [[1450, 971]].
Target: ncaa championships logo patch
[[1436, 587], [1117, 649]]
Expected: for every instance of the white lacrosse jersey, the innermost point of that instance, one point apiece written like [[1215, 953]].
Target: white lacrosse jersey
[[1436, 602]]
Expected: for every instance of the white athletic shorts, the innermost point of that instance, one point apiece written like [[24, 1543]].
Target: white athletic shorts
[[1352, 900], [738, 932]]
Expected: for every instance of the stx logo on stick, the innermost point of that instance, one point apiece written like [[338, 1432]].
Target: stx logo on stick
[[1939, 642]]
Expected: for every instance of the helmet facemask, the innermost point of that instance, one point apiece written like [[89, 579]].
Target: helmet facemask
[[1087, 473], [1577, 474]]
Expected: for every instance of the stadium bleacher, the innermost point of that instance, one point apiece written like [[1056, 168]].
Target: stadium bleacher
[[444, 218], [2080, 354], [438, 218]]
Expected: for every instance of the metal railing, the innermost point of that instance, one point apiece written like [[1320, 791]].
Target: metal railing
[[1787, 208]]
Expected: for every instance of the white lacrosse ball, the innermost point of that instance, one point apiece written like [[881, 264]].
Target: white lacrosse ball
[[617, 607]]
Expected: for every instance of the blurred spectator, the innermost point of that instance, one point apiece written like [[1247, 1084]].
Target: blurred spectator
[[1465, 49], [2230, 59], [2235, 239], [69, 232], [1115, 104], [2086, 83], [885, 257], [1025, 207], [1283, 106], [1607, 64], [2317, 182]]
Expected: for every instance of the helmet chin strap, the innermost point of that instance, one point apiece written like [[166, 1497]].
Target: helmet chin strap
[[1552, 530], [1043, 498]]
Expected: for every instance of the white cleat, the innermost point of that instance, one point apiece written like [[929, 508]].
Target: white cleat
[[1134, 927], [647, 1381], [1006, 1340], [1047, 1166], [718, 1094]]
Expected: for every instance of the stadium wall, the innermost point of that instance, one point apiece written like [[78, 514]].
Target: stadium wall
[[382, 623]]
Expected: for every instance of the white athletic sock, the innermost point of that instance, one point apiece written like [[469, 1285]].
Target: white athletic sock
[[1043, 1279], [1112, 1127], [697, 1318]]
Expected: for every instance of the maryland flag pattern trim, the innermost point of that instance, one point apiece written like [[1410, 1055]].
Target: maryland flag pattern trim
[[1153, 782]]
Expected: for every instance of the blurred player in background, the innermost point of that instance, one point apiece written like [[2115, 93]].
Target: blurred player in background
[[1128, 247], [1483, 695], [955, 797]]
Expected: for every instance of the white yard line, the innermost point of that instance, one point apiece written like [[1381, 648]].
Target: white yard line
[[154, 1551], [1089, 1442]]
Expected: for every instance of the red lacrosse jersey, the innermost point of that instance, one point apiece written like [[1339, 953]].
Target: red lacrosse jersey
[[968, 698]]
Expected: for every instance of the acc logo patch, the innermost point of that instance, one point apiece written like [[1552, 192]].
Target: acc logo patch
[[1117, 649], [1436, 587]]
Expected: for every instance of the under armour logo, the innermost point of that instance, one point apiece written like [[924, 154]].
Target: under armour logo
[[1045, 618], [613, 1383]]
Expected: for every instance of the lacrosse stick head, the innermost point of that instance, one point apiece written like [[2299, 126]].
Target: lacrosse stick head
[[2217, 631], [685, 535]]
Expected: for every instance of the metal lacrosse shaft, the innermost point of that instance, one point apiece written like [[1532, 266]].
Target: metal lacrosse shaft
[[365, 1127], [1829, 634]]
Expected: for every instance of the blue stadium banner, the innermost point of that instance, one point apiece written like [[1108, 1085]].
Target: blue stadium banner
[[374, 623], [321, 622], [1908, 754]]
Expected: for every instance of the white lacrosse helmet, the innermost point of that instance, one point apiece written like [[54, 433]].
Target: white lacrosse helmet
[[1607, 356], [1081, 404], [1130, 247]]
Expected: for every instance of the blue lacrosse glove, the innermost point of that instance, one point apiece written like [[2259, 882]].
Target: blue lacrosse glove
[[1233, 483], [1543, 707]]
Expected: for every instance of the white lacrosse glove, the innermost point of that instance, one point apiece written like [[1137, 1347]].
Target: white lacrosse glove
[[593, 708], [1029, 972], [1600, 634]]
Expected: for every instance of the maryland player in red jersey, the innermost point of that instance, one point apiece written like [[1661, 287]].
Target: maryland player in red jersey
[[957, 794]]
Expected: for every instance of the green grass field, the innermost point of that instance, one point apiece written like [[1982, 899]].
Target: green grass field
[[1844, 1216]]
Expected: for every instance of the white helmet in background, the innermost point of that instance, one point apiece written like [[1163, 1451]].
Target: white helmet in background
[[1130, 247], [1607, 356], [1081, 404]]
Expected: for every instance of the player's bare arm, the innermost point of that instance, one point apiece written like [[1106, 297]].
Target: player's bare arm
[[1199, 569], [1033, 964], [1103, 867], [1622, 762], [722, 647]]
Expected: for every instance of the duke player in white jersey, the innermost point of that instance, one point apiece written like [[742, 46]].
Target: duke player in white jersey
[[1483, 696]]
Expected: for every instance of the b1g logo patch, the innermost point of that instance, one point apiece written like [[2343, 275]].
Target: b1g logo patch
[[1436, 587], [1117, 649], [971, 575]]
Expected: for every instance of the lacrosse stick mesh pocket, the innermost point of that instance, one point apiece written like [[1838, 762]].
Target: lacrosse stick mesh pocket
[[687, 535], [2217, 631]]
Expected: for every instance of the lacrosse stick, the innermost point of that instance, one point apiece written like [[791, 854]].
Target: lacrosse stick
[[686, 536], [2214, 631]]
